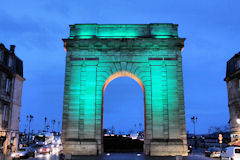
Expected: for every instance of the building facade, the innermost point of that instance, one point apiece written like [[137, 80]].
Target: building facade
[[233, 87], [148, 53], [11, 83]]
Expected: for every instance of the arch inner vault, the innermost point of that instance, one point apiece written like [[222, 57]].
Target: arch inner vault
[[147, 53], [123, 113]]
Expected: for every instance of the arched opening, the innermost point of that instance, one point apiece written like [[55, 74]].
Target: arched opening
[[123, 113]]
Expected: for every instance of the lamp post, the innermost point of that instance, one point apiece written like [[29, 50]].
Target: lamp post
[[29, 119], [53, 122], [47, 126], [58, 126], [45, 123], [194, 121]]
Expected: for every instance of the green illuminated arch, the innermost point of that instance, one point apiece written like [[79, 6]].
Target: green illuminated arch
[[148, 53]]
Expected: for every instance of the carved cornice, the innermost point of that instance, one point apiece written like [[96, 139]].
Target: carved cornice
[[126, 43]]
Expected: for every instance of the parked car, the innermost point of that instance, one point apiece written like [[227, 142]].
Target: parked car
[[231, 153], [45, 149], [24, 152], [213, 152]]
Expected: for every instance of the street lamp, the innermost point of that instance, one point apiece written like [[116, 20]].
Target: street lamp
[[194, 121], [45, 123], [53, 122], [29, 119], [58, 126]]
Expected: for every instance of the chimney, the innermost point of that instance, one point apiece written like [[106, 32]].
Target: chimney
[[12, 48]]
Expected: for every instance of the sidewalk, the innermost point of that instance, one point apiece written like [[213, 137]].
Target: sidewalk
[[5, 157]]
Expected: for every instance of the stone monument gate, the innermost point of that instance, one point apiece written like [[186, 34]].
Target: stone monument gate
[[148, 53]]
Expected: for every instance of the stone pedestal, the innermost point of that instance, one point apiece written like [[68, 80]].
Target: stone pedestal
[[80, 148], [168, 148]]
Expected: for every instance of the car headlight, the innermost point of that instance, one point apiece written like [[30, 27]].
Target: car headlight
[[13, 154], [48, 149], [21, 154]]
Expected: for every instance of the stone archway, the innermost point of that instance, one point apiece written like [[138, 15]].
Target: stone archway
[[150, 53], [116, 75]]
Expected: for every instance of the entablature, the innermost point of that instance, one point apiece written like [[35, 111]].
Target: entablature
[[121, 44]]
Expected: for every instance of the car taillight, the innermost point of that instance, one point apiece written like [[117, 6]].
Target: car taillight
[[213, 152]]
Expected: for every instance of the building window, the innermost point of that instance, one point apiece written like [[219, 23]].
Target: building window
[[1, 56], [238, 83], [238, 64], [8, 86], [5, 116], [10, 61], [1, 114], [230, 84]]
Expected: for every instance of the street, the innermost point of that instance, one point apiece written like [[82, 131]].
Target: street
[[45, 157], [118, 156], [196, 155], [38, 157]]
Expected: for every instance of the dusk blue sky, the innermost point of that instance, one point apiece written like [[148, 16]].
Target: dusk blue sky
[[211, 29]]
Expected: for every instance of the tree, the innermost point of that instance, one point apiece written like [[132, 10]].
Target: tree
[[130, 132], [219, 129]]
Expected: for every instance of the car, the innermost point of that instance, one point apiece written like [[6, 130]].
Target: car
[[24, 152], [231, 153], [213, 152], [45, 149]]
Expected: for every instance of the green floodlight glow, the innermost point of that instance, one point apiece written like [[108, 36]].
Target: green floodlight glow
[[88, 31], [147, 53]]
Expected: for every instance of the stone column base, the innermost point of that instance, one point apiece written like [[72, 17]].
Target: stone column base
[[171, 147], [84, 147]]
